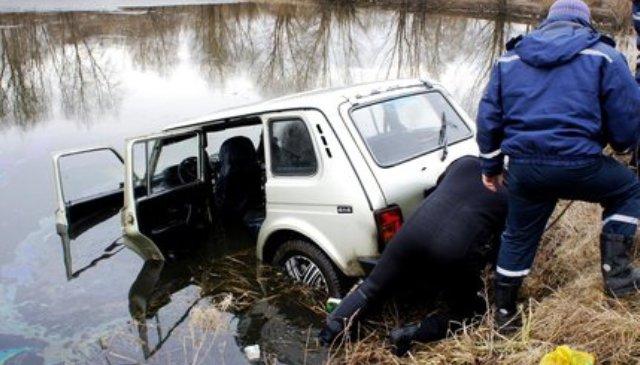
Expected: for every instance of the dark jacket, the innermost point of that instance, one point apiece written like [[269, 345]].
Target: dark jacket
[[559, 95]]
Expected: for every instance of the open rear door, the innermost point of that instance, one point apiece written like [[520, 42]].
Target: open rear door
[[167, 191]]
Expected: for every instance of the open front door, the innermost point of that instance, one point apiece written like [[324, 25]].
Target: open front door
[[167, 191], [89, 190]]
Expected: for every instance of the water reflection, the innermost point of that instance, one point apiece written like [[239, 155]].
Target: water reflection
[[236, 302], [72, 63], [47, 64], [151, 291], [72, 272]]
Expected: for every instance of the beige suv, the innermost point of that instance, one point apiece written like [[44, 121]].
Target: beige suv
[[323, 179]]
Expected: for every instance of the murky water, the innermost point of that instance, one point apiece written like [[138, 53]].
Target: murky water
[[79, 79]]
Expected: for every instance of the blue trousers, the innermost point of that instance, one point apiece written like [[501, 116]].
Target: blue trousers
[[534, 190]]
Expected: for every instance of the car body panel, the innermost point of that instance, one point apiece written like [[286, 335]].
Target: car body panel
[[328, 207]]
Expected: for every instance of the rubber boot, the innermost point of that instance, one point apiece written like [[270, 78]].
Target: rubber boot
[[433, 328], [507, 317], [621, 278], [402, 338]]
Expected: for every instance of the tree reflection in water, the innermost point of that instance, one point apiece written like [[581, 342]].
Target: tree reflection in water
[[75, 62]]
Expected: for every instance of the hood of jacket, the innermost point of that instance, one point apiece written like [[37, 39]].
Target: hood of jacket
[[556, 42]]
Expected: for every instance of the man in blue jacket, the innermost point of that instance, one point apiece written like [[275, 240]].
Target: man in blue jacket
[[555, 99]]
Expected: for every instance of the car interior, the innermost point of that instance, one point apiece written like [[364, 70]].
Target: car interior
[[231, 190]]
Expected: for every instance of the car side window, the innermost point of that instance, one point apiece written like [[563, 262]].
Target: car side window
[[292, 152]]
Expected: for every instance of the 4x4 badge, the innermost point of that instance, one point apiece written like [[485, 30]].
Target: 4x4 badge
[[345, 209]]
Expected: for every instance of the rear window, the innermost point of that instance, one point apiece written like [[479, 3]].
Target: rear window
[[401, 129]]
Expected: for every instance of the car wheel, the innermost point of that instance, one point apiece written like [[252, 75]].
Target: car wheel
[[307, 264]]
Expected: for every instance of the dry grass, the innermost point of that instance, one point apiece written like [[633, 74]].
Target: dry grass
[[212, 318]]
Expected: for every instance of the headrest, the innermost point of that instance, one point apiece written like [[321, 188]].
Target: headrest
[[237, 149]]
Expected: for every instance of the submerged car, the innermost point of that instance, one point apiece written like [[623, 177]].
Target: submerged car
[[323, 178]]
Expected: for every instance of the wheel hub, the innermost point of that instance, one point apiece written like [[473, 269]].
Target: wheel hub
[[303, 270]]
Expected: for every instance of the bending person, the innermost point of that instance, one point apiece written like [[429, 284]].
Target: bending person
[[449, 240]]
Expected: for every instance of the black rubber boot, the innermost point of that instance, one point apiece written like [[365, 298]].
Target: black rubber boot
[[621, 278], [507, 317], [402, 338], [433, 328]]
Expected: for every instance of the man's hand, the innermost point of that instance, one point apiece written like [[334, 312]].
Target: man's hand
[[493, 183]]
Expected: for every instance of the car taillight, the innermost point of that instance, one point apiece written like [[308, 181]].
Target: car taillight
[[389, 221]]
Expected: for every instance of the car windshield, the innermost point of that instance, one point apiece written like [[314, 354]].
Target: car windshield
[[400, 129]]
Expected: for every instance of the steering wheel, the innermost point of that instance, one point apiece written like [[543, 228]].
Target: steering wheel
[[188, 170]]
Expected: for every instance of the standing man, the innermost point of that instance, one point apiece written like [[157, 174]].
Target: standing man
[[555, 100]]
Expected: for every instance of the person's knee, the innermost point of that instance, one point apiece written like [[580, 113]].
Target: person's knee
[[627, 194]]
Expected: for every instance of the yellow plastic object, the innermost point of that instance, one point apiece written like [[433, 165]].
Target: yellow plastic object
[[564, 355]]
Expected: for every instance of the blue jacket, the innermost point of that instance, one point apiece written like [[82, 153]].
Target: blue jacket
[[559, 95]]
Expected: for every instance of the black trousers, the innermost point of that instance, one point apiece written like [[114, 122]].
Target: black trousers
[[452, 268]]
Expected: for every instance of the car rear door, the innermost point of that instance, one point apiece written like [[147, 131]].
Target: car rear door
[[167, 189], [408, 138]]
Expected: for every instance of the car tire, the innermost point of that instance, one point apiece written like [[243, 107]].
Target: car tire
[[295, 256]]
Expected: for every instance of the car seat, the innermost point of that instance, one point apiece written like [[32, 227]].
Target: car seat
[[238, 184]]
